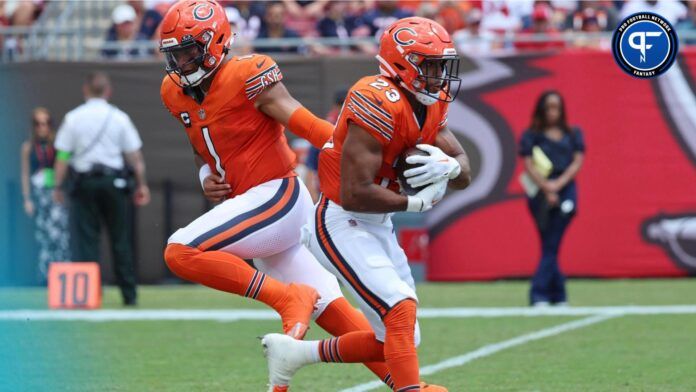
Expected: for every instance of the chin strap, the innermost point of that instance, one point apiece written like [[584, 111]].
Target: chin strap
[[423, 98], [200, 73]]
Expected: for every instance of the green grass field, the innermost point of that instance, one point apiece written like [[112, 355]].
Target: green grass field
[[652, 352]]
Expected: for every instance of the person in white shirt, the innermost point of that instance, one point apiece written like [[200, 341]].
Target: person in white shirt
[[672, 10], [96, 140]]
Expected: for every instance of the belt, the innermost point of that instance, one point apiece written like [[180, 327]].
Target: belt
[[102, 171], [365, 216]]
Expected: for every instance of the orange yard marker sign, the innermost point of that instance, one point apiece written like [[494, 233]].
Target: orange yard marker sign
[[74, 285]]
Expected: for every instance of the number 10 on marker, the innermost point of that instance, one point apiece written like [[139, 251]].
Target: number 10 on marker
[[74, 285]]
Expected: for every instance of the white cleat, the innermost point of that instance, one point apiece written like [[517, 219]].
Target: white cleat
[[285, 356]]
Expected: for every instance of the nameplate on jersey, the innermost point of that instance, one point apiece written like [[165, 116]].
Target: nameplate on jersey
[[257, 84]]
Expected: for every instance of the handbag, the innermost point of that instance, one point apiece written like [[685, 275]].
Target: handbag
[[543, 165]]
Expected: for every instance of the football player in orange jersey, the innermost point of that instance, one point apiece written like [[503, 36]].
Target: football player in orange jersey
[[234, 110], [352, 234]]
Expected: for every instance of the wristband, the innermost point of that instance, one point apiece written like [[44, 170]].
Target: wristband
[[63, 156], [204, 172], [415, 204], [310, 127]]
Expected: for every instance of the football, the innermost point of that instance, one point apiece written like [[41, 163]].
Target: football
[[402, 166]]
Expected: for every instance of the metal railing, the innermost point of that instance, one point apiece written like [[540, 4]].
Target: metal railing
[[61, 32], [63, 41]]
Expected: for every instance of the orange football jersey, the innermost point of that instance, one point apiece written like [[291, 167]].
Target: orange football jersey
[[242, 144], [377, 105]]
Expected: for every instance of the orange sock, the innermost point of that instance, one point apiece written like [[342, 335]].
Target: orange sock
[[223, 271], [340, 318], [353, 347], [400, 348]]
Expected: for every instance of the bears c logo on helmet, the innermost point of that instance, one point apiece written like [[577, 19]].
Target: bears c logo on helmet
[[203, 12], [402, 42]]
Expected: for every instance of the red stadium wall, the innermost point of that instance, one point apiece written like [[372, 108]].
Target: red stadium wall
[[637, 189]]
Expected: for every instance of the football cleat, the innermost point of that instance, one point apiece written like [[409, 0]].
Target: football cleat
[[296, 309], [431, 388], [284, 358]]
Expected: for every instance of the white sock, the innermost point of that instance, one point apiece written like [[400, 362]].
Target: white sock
[[310, 350]]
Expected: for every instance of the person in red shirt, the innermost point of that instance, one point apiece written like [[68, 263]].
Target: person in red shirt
[[541, 25]]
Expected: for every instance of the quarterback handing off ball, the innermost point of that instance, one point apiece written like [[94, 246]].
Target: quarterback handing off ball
[[402, 166]]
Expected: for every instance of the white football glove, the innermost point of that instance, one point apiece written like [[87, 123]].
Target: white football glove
[[427, 197], [436, 166], [204, 172]]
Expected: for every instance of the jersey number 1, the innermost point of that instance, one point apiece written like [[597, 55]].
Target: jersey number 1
[[212, 152]]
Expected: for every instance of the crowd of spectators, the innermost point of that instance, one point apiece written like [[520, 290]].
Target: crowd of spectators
[[20, 12], [132, 22], [17, 13], [478, 26]]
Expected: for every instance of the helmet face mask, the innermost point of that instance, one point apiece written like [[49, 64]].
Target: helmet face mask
[[195, 38], [188, 60], [438, 78], [419, 54]]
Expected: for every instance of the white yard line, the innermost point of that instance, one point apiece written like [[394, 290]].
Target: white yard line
[[596, 315], [494, 348], [138, 315], [251, 314], [554, 311]]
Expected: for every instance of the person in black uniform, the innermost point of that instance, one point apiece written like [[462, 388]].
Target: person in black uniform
[[98, 140], [555, 203]]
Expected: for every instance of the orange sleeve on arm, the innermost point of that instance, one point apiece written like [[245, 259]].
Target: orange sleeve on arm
[[308, 126]]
